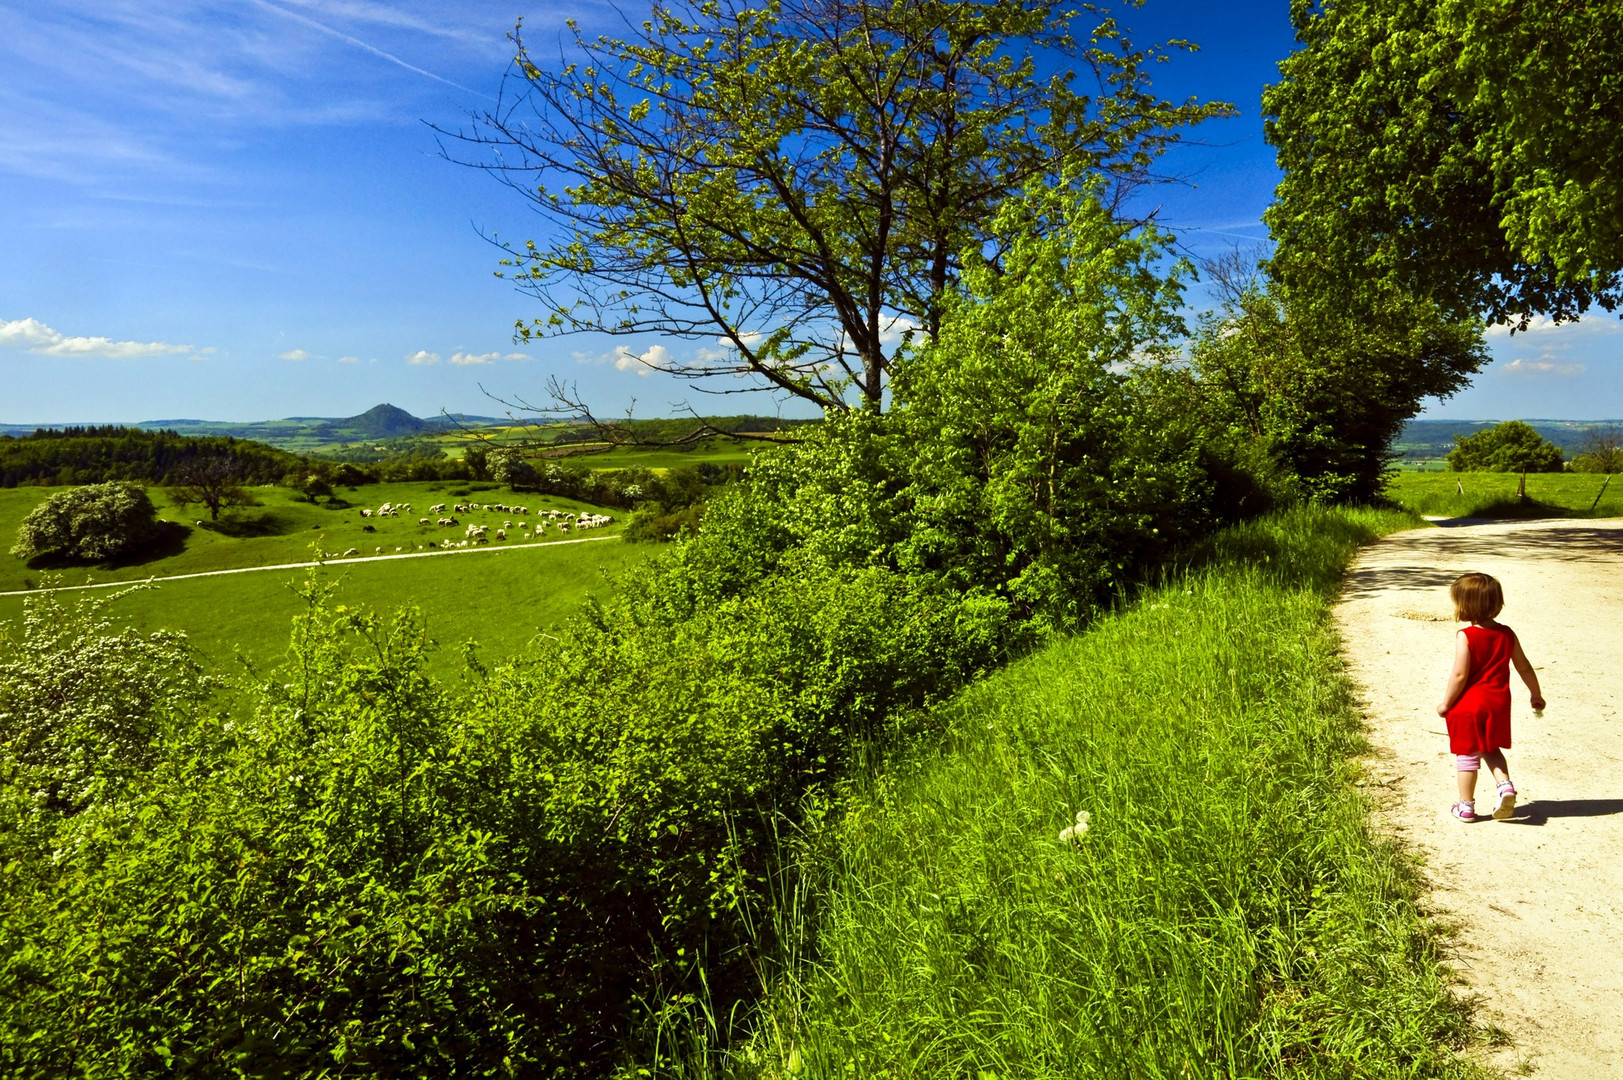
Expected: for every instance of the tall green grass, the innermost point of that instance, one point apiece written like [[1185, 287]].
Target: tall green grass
[[1493, 495], [1228, 913]]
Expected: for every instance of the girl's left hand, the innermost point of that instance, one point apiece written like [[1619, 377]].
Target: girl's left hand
[[1442, 710]]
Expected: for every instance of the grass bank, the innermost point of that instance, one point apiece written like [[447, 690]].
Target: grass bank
[[1493, 495], [1228, 911]]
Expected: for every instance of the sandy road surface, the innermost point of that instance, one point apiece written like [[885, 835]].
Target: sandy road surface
[[1540, 897]]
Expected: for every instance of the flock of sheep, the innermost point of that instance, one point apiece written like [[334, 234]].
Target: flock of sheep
[[476, 534]]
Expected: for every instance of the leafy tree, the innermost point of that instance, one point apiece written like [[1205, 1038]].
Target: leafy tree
[[1041, 468], [1601, 451], [1461, 150], [214, 482], [1321, 393], [477, 458], [97, 521], [1508, 447], [82, 703], [315, 486], [793, 184], [510, 467]]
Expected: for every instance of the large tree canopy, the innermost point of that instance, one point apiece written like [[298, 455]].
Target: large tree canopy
[[1463, 151], [792, 183]]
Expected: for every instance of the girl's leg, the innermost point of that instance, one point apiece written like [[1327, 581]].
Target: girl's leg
[[1465, 769], [1506, 806]]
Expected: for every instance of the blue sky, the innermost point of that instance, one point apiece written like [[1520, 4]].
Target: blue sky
[[235, 210]]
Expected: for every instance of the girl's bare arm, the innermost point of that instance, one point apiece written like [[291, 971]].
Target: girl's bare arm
[[1457, 674], [1525, 670]]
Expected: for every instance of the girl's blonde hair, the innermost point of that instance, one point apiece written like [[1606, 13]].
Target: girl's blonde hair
[[1477, 597]]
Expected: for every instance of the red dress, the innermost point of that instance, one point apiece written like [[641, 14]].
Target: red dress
[[1480, 719]]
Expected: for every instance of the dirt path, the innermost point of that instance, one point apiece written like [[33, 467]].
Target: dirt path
[[1537, 897], [440, 553]]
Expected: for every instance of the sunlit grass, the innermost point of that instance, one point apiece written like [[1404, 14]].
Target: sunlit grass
[[1493, 495], [1228, 912]]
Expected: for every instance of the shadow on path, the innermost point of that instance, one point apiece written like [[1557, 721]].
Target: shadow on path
[[1537, 813], [1448, 554]]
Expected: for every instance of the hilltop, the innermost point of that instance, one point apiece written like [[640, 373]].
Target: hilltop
[[303, 433]]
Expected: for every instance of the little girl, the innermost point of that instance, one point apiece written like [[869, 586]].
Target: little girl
[[1476, 703]]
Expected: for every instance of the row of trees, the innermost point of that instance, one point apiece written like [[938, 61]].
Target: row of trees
[[92, 455], [807, 185]]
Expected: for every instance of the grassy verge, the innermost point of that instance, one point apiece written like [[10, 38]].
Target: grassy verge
[[1228, 912], [1493, 495]]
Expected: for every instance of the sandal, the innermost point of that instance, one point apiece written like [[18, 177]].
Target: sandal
[[1463, 811], [1507, 801]]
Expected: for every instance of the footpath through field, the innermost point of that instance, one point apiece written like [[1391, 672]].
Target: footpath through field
[[483, 550], [1535, 897]]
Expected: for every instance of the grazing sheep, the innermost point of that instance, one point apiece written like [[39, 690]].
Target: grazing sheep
[[198, 523], [369, 528], [422, 521], [437, 508], [379, 550], [501, 534], [352, 551], [366, 513]]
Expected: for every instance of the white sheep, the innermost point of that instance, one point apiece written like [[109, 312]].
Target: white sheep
[[351, 552], [501, 534], [437, 508], [366, 513], [422, 521]]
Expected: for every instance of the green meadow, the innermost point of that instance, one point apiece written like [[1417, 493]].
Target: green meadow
[[1493, 495], [499, 595], [285, 528]]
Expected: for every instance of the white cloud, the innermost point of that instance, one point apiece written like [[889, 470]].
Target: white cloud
[[1543, 324], [295, 354], [465, 358], [1546, 364], [36, 337], [423, 356], [624, 359], [349, 359], [656, 355]]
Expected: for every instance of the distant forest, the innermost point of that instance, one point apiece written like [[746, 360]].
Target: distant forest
[[93, 455]]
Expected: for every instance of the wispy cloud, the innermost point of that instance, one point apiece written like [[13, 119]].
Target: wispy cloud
[[350, 39], [36, 337], [467, 358], [1547, 364], [423, 357], [295, 354]]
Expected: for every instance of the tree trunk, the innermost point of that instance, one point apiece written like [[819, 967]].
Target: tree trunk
[[1521, 488]]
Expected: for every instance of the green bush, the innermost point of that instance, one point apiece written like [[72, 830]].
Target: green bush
[[1508, 447], [96, 521]]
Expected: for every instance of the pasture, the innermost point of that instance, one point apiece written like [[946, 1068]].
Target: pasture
[[713, 451], [498, 597], [283, 528], [1493, 495]]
